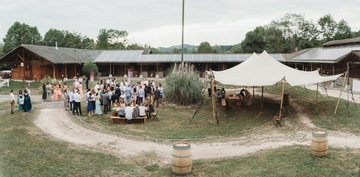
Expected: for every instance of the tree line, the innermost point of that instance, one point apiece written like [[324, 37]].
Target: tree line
[[288, 34]]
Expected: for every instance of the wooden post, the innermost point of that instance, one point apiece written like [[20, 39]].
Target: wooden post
[[317, 91], [262, 97], [213, 98], [253, 93], [342, 88], [282, 97]]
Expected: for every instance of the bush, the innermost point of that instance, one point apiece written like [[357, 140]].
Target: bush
[[182, 85], [90, 67]]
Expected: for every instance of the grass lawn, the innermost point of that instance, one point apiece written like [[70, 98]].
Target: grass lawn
[[174, 123], [26, 151]]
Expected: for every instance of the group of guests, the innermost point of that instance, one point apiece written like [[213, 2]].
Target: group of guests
[[23, 100], [53, 92], [107, 95]]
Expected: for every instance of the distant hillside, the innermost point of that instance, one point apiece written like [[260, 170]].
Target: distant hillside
[[187, 47]]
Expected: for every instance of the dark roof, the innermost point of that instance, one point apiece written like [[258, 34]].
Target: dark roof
[[350, 41], [63, 55]]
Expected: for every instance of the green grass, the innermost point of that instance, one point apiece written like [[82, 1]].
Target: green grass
[[322, 112], [174, 123], [25, 151], [35, 87], [285, 161]]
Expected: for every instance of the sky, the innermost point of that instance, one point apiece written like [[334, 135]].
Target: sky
[[157, 23]]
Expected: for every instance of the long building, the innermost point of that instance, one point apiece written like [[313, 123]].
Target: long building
[[30, 61]]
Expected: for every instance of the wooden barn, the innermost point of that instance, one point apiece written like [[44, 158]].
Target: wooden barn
[[30, 62]]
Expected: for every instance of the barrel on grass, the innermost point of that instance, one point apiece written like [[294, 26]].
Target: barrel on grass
[[181, 158], [319, 143]]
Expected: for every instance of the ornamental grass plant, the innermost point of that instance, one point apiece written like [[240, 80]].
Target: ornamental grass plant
[[183, 85]]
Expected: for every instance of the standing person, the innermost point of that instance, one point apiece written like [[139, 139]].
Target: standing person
[[106, 101], [87, 83], [156, 97], [27, 101], [80, 89], [141, 95], [44, 94], [12, 101], [55, 94], [127, 93], [19, 98], [48, 92], [66, 100], [209, 89], [77, 101], [161, 92], [97, 104], [90, 107], [71, 100]]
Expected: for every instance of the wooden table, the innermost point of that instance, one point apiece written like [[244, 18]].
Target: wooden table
[[229, 99]]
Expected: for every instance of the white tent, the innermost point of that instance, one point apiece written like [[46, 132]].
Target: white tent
[[263, 70]]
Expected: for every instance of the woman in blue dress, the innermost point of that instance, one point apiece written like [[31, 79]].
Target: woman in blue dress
[[90, 106], [27, 102], [97, 104]]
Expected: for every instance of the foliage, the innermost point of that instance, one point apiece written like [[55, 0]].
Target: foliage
[[182, 85], [205, 47], [89, 67], [20, 33], [111, 39]]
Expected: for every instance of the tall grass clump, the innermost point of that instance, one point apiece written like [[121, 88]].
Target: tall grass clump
[[183, 85]]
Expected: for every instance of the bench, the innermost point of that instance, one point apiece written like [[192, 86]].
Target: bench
[[113, 118], [223, 103]]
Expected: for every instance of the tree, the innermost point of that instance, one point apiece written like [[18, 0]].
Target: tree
[[205, 47], [52, 36], [111, 39], [343, 31], [327, 27], [87, 43], [72, 40], [254, 40], [20, 33], [90, 67]]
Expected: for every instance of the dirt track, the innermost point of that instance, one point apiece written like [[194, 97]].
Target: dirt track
[[58, 124]]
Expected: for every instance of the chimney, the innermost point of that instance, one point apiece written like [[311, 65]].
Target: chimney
[[56, 46]]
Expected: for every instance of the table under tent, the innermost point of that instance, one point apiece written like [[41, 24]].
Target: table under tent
[[263, 70]]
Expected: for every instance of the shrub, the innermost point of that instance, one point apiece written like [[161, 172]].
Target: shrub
[[182, 85], [90, 67]]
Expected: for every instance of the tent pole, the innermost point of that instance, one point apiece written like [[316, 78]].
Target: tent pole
[[317, 91], [213, 98], [342, 88], [253, 92], [262, 97], [282, 97]]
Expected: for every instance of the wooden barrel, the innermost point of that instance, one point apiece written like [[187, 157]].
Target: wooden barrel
[[181, 158], [319, 143]]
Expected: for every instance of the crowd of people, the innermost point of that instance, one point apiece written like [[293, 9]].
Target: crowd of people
[[107, 96]]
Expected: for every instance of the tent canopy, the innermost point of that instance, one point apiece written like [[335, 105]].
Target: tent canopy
[[263, 70]]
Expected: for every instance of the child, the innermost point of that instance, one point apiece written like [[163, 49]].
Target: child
[[21, 102]]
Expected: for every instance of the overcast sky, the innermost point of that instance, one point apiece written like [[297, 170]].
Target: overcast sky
[[158, 22]]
